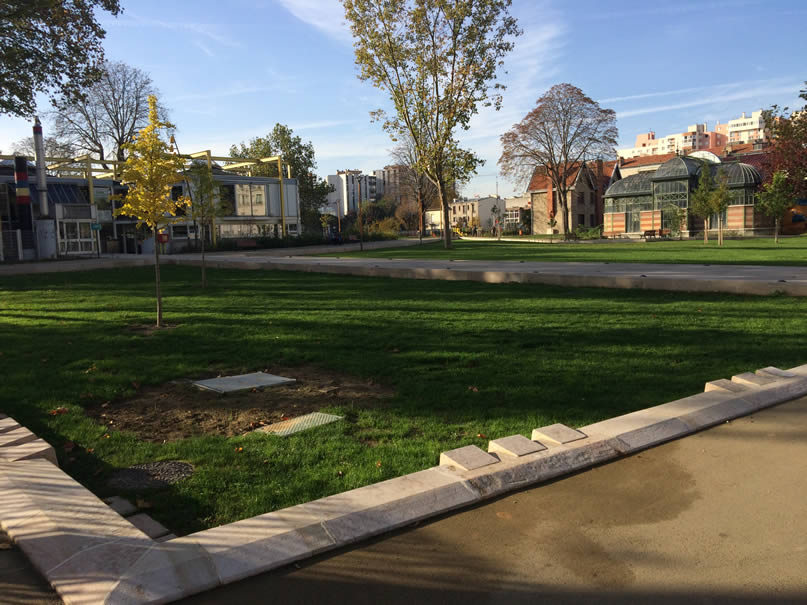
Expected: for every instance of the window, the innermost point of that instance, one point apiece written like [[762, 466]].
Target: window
[[581, 220], [592, 220], [581, 197]]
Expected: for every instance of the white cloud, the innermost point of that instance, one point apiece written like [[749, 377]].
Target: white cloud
[[327, 16], [749, 93]]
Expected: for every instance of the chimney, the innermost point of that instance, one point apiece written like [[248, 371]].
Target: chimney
[[41, 179]]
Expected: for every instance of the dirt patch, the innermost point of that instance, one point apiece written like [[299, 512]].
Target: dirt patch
[[148, 329], [179, 410]]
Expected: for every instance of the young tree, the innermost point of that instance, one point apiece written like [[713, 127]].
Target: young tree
[[150, 172], [719, 201], [205, 204], [109, 115], [48, 46], [414, 182], [565, 128], [775, 198], [438, 61], [788, 149], [297, 154], [700, 201], [679, 216]]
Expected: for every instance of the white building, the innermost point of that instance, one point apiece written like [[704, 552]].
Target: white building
[[347, 186], [745, 129]]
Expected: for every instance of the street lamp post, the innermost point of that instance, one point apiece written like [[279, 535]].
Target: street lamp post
[[361, 226]]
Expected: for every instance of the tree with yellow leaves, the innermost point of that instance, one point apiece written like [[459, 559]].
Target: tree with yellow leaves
[[149, 173]]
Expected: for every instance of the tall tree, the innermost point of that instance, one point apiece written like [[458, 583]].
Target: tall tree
[[414, 183], [775, 198], [700, 200], [54, 148], [788, 150], [313, 192], [719, 201], [565, 128], [48, 45], [112, 111], [150, 172], [438, 61]]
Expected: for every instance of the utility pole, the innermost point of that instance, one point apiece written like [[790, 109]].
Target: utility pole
[[361, 227]]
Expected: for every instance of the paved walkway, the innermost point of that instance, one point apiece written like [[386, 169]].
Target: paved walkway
[[716, 517], [736, 279]]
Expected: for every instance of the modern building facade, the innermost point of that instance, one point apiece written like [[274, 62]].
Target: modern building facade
[[78, 217], [389, 183], [745, 129], [347, 186]]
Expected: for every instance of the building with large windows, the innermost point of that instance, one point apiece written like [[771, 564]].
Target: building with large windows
[[647, 201]]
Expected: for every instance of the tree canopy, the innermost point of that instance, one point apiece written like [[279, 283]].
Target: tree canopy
[[110, 113], [299, 155], [565, 128], [788, 150], [775, 198], [49, 46], [438, 61]]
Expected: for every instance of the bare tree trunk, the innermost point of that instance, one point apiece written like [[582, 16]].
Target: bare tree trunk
[[706, 231], [719, 230], [157, 280], [564, 219], [444, 207], [776, 231], [204, 275], [420, 213]]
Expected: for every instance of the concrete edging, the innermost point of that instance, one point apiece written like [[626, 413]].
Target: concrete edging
[[91, 555]]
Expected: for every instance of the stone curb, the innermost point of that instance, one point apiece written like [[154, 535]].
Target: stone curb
[[92, 555]]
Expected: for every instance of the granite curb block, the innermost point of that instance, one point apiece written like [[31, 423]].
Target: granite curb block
[[92, 555]]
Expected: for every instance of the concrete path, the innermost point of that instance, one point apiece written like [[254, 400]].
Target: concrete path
[[737, 279], [716, 517]]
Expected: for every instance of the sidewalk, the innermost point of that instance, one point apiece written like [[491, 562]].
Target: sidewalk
[[716, 517]]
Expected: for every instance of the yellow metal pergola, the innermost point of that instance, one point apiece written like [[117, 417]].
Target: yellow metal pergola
[[93, 169]]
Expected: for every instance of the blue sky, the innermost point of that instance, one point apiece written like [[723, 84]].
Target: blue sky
[[230, 70]]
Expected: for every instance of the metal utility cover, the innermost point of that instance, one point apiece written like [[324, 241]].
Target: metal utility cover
[[295, 425], [232, 384]]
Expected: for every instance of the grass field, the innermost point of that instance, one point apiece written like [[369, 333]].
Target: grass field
[[467, 362], [757, 251]]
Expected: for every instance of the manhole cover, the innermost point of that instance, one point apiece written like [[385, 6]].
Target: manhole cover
[[151, 475]]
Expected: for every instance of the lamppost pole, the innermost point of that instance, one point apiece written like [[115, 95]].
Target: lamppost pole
[[361, 226]]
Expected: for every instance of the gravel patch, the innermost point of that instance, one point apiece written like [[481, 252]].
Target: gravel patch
[[151, 475]]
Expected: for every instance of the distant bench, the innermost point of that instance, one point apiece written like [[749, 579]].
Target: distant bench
[[655, 233]]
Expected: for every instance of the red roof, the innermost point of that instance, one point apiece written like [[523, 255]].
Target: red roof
[[540, 181], [646, 160]]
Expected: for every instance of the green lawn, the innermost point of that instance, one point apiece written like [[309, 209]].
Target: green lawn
[[464, 359], [757, 251]]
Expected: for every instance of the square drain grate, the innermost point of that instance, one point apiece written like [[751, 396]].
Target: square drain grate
[[243, 382], [302, 423]]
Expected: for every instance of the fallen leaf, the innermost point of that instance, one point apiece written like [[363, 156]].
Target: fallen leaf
[[474, 389], [481, 435], [239, 449], [90, 450], [378, 464], [339, 474], [58, 411], [106, 436]]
